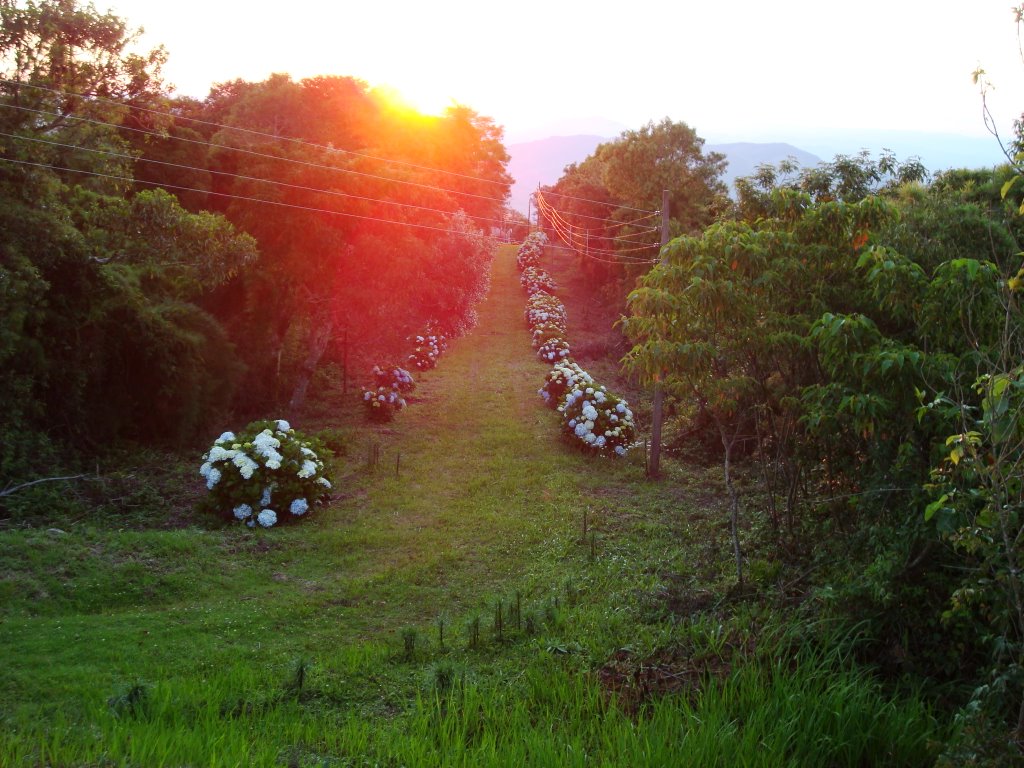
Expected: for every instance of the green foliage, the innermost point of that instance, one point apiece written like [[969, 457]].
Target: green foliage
[[817, 327]]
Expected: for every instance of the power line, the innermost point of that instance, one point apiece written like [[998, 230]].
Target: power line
[[251, 132], [560, 225], [304, 163], [238, 197], [609, 222], [288, 185], [603, 202], [589, 253], [541, 201]]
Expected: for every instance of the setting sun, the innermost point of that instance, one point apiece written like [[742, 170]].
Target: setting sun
[[426, 99]]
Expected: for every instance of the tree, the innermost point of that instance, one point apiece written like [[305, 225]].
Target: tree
[[605, 196], [103, 336], [358, 203]]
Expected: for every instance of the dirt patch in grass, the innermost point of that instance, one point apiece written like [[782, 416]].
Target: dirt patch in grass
[[636, 682]]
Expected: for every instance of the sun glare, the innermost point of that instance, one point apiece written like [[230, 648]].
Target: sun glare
[[425, 99]]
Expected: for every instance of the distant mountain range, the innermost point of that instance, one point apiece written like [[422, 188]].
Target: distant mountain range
[[542, 161]]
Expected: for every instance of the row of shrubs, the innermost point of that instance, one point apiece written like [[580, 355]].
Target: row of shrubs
[[270, 473], [592, 417], [391, 382]]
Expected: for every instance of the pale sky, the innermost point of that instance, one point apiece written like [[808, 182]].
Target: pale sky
[[736, 70]]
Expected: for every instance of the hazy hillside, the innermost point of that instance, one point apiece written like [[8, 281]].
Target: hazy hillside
[[542, 161]]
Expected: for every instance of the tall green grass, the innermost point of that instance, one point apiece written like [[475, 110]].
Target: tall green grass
[[813, 712]]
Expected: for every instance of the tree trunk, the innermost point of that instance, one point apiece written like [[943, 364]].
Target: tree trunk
[[322, 333], [734, 500]]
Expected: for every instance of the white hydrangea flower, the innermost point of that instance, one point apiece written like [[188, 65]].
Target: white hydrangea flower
[[243, 511], [204, 470], [324, 482], [265, 443], [308, 452], [620, 450], [225, 437], [246, 466], [274, 463], [217, 453], [580, 430], [308, 469], [589, 437], [213, 478], [601, 441], [283, 425], [266, 518], [621, 407], [299, 507]]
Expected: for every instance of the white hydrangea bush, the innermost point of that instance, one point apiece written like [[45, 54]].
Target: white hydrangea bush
[[543, 308], [596, 420], [537, 280], [265, 474], [545, 332], [564, 377], [531, 249], [382, 403], [553, 350], [428, 348], [393, 377]]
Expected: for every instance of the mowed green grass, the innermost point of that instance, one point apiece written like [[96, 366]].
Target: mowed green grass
[[369, 634]]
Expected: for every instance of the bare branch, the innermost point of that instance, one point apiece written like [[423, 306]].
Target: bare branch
[[12, 490]]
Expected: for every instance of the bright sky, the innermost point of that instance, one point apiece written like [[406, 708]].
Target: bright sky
[[734, 69]]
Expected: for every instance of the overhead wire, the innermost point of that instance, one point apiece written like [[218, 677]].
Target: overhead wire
[[251, 132], [243, 177], [608, 222], [554, 214], [603, 202], [616, 238], [241, 150], [277, 203], [561, 226]]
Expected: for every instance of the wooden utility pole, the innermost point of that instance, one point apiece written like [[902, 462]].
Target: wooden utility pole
[[654, 467]]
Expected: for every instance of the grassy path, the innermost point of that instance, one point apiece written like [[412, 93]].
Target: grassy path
[[486, 502], [484, 490]]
